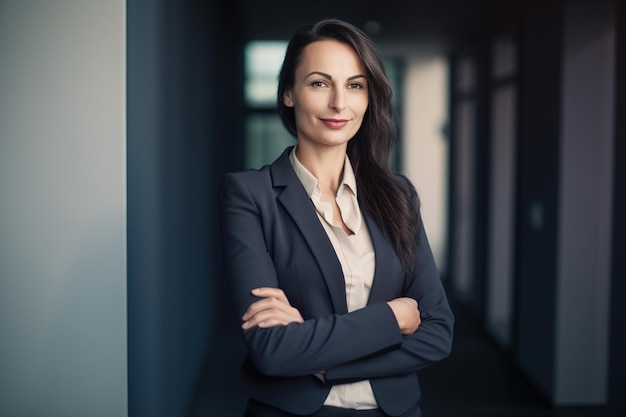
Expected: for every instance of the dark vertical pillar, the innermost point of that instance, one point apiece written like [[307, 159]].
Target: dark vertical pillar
[[184, 128], [217, 390], [616, 402], [144, 207], [538, 186], [482, 166]]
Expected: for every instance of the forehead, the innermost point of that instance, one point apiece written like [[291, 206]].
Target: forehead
[[330, 56]]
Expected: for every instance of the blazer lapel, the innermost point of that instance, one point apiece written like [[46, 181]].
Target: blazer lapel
[[297, 203], [385, 255]]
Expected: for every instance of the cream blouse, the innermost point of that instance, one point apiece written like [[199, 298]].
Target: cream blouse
[[356, 256]]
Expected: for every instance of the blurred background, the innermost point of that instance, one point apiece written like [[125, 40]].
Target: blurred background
[[117, 119]]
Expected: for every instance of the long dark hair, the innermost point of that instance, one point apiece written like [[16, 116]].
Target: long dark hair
[[391, 200]]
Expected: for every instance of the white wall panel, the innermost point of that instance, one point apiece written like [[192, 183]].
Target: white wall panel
[[62, 208]]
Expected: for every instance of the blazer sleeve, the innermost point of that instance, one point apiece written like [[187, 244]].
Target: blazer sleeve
[[431, 342], [298, 348]]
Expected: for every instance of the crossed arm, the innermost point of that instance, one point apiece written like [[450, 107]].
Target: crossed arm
[[368, 349], [381, 339], [273, 309]]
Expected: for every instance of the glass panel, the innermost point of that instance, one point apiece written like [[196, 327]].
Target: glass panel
[[262, 64], [266, 138], [502, 219], [465, 115], [425, 147]]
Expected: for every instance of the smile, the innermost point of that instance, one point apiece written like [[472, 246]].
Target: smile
[[335, 123]]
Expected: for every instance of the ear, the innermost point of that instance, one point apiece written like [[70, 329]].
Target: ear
[[288, 99]]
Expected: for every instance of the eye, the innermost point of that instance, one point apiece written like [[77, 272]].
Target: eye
[[355, 85], [318, 83]]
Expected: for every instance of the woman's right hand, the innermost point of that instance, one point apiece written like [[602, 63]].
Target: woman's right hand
[[273, 309], [407, 314]]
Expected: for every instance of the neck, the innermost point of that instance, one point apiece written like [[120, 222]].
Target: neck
[[326, 164]]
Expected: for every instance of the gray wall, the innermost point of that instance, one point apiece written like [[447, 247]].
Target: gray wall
[[585, 225], [62, 208], [616, 404], [565, 223]]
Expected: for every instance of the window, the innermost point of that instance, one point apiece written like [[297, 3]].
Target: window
[[265, 137], [262, 63]]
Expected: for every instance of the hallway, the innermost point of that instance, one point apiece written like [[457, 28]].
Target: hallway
[[118, 119], [479, 379]]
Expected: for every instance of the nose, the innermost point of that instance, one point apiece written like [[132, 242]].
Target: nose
[[337, 100]]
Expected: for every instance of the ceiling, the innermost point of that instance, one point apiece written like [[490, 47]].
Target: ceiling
[[442, 22]]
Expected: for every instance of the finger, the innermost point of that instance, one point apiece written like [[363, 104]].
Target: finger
[[271, 320], [284, 314], [264, 304], [268, 318], [270, 292], [287, 314], [265, 324], [267, 292]]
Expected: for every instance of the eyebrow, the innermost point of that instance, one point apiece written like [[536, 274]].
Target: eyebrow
[[330, 77]]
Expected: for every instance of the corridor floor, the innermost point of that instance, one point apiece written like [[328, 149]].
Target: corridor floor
[[479, 379]]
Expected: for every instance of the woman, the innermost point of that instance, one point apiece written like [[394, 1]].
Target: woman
[[328, 267]]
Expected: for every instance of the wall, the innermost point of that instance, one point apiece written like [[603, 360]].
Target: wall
[[62, 208], [616, 402], [463, 172], [503, 144], [425, 149], [585, 225], [184, 111], [536, 202], [565, 201]]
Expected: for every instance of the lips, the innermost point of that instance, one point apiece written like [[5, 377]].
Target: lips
[[335, 123]]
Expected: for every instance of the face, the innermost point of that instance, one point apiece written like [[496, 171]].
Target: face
[[329, 95]]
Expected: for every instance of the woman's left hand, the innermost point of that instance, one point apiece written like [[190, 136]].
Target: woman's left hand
[[273, 309]]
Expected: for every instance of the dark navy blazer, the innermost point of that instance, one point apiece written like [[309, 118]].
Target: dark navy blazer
[[271, 237]]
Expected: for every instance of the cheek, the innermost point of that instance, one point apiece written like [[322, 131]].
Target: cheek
[[305, 110], [363, 109], [299, 114], [362, 104]]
